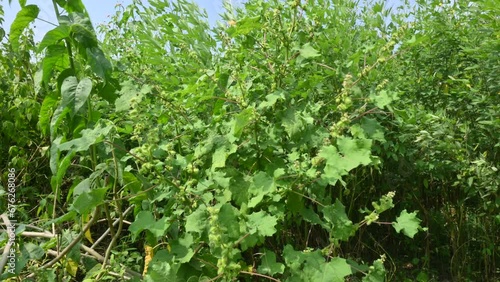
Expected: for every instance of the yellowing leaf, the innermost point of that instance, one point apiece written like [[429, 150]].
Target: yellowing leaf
[[88, 235], [71, 267], [149, 253]]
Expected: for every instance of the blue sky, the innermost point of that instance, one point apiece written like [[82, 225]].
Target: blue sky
[[99, 11]]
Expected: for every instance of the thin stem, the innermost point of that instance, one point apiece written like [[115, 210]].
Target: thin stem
[[74, 242], [260, 275]]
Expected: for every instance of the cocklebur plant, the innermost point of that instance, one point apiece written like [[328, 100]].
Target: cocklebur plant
[[253, 159]]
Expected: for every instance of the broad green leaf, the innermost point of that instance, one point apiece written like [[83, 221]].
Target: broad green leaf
[[221, 154], [334, 271], [295, 202], [228, 219], [54, 37], [48, 106], [269, 264], [307, 51], [55, 154], [82, 93], [82, 187], [89, 137], [220, 179], [373, 129], [93, 269], [72, 5], [378, 7], [383, 98], [98, 62], [334, 169], [409, 223], [86, 201], [416, 39], [109, 90], [146, 221], [242, 119], [56, 59], [304, 265], [271, 100], [82, 31], [63, 75], [262, 223], [245, 26], [292, 122], [61, 169], [182, 249], [68, 93], [131, 182], [422, 276], [27, 14], [161, 268], [310, 216], [341, 227], [38, 80], [196, 222], [128, 94], [355, 152], [35, 251], [293, 258], [143, 221], [57, 118], [261, 185]]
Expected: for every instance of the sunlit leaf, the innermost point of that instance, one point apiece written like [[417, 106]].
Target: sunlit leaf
[[27, 14], [334, 271], [56, 58], [409, 223], [261, 185], [262, 223], [89, 137], [195, 222], [307, 51], [54, 36], [242, 119], [82, 93]]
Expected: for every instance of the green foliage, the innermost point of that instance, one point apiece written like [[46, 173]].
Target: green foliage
[[21, 22], [254, 149], [269, 264], [408, 223]]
